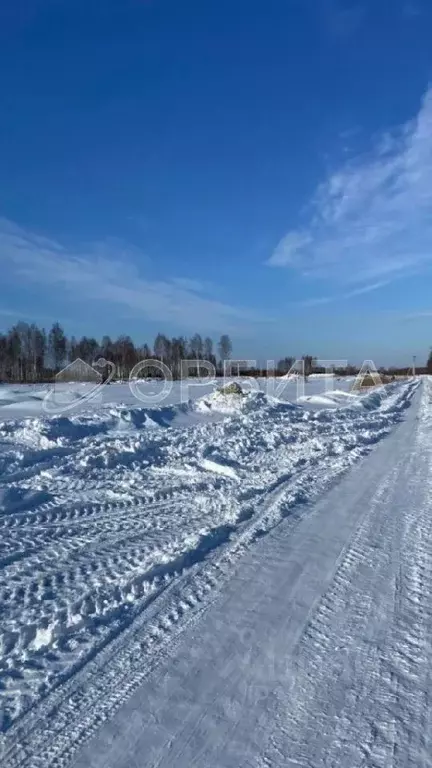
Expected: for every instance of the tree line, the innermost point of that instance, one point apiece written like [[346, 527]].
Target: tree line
[[30, 354]]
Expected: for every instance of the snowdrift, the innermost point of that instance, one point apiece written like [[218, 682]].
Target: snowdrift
[[102, 513]]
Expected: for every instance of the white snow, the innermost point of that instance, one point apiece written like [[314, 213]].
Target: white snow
[[219, 469], [20, 401], [121, 523], [321, 376], [335, 398]]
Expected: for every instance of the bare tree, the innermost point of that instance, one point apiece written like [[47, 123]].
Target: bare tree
[[27, 353], [309, 363], [37, 346], [208, 348], [285, 364], [429, 363], [178, 353], [196, 347], [57, 346], [225, 347], [106, 348], [161, 347]]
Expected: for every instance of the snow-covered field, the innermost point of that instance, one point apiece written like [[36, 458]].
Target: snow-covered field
[[120, 522], [31, 400]]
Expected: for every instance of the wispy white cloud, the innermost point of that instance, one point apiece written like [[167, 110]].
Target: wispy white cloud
[[316, 301], [286, 251], [197, 286], [106, 273], [347, 295], [366, 288], [371, 220], [422, 313]]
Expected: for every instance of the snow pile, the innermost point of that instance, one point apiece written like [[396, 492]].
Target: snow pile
[[228, 400], [321, 376], [124, 417], [101, 513], [237, 404], [335, 399], [32, 401], [25, 398]]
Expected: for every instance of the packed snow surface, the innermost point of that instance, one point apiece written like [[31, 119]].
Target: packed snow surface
[[30, 400], [126, 529]]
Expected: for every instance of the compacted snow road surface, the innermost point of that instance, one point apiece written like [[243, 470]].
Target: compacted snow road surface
[[294, 629]]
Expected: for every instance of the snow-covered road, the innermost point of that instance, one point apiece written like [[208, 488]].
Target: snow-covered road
[[226, 603]]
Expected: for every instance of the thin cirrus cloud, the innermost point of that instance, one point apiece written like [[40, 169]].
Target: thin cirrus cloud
[[106, 275], [347, 295], [419, 315], [371, 220]]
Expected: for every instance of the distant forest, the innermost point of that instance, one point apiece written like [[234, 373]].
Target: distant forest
[[29, 353], [32, 354]]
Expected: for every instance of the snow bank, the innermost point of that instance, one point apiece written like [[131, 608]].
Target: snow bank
[[320, 376], [334, 399], [103, 512], [29, 401], [230, 404]]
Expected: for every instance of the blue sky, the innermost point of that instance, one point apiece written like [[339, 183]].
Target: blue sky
[[257, 168]]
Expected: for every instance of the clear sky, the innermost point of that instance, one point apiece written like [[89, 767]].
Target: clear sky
[[256, 167]]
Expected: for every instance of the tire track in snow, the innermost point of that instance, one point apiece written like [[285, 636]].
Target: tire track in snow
[[408, 660], [84, 584], [187, 583], [224, 698], [361, 695]]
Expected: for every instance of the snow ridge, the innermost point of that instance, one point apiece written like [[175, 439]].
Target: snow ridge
[[113, 539]]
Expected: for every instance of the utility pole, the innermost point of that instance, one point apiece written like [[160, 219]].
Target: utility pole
[[414, 365]]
